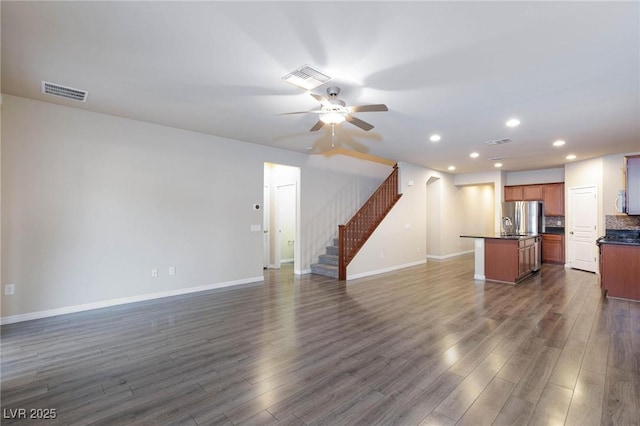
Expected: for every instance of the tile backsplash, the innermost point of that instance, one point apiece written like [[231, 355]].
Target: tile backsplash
[[552, 221], [622, 222]]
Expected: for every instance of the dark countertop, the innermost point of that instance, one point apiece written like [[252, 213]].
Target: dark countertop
[[502, 237], [627, 237], [554, 230]]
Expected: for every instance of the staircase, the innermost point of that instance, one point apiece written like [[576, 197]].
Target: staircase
[[328, 263], [353, 235]]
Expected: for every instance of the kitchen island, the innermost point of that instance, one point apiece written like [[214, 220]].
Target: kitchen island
[[505, 258]]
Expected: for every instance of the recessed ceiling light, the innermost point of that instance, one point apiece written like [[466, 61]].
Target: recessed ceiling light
[[435, 138], [474, 155], [559, 142], [514, 122], [497, 165], [571, 157], [451, 168]]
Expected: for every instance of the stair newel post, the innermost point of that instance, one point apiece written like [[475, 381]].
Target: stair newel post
[[342, 267]]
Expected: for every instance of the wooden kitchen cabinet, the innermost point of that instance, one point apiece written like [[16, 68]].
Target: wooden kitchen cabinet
[[551, 194], [509, 260], [513, 193], [523, 193], [553, 199], [532, 192], [620, 270], [553, 248]]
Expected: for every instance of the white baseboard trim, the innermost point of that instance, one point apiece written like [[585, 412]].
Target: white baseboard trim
[[382, 271], [480, 277], [448, 256], [303, 272], [122, 301]]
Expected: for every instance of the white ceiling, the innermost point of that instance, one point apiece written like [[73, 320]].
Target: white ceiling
[[567, 70]]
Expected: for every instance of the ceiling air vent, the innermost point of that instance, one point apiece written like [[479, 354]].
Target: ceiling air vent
[[498, 141], [307, 77], [64, 92]]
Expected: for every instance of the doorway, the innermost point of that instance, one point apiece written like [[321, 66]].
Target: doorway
[[583, 226], [281, 216]]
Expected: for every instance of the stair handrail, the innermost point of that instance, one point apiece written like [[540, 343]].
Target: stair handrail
[[353, 235]]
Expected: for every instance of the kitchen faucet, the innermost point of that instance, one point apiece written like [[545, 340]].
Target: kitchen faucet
[[507, 225]]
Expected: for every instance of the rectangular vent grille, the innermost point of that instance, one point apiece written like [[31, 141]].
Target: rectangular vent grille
[[307, 77], [498, 141], [64, 92]]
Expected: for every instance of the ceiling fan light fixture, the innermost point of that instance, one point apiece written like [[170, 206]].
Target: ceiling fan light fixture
[[332, 117]]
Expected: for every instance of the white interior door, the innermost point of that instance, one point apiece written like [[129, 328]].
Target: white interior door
[[583, 220]]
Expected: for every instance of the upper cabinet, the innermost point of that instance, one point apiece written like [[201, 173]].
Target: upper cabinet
[[553, 199], [633, 185], [532, 192], [513, 193], [551, 194], [523, 193]]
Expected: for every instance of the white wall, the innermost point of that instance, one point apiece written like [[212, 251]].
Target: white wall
[[535, 176], [476, 204], [92, 203], [497, 180]]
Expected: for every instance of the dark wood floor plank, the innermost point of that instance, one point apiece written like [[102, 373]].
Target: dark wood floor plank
[[487, 406], [586, 403], [566, 371], [620, 405], [515, 412], [422, 345], [552, 407], [535, 378], [458, 401]]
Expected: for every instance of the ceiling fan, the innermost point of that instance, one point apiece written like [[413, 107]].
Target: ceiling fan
[[334, 111]]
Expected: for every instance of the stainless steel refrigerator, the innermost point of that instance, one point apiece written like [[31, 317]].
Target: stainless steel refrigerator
[[523, 218]]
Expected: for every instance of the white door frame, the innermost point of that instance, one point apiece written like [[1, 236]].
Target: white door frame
[[273, 237], [278, 224], [266, 225], [583, 228]]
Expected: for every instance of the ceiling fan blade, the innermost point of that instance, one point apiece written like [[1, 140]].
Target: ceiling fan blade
[[301, 112], [321, 99], [368, 108], [357, 122], [317, 126]]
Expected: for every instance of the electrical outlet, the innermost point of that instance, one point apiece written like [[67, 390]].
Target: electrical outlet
[[154, 273], [172, 270], [9, 289]]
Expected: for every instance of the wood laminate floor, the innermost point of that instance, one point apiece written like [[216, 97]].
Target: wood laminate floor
[[422, 346]]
